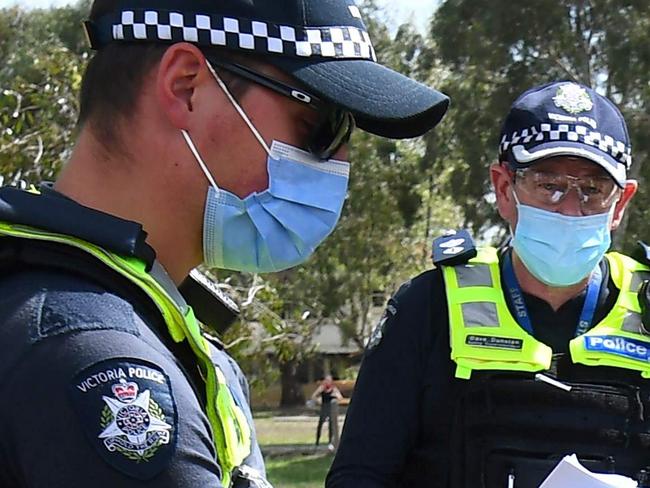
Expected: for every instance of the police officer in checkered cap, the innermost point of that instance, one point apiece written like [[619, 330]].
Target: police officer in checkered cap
[[211, 131], [498, 364]]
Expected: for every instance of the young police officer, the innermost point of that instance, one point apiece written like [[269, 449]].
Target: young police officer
[[502, 365], [211, 131]]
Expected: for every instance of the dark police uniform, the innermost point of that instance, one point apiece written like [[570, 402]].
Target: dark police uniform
[[95, 391], [444, 431]]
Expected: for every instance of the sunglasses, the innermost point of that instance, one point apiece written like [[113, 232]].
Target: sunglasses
[[334, 126]]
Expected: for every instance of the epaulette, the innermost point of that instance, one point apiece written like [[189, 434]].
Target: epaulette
[[455, 247]]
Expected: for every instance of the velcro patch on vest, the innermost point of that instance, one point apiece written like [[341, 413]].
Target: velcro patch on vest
[[128, 414], [621, 346], [495, 342]]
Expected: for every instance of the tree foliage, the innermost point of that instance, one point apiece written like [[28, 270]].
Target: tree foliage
[[41, 61]]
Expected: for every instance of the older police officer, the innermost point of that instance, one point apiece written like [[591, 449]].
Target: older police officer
[[505, 362], [211, 131]]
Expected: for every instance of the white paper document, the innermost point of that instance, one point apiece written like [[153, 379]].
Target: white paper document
[[570, 473]]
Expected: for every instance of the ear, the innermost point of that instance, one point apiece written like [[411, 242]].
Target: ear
[[501, 179], [180, 72], [629, 190]]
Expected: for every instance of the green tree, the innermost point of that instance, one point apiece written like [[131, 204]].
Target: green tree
[[41, 58]]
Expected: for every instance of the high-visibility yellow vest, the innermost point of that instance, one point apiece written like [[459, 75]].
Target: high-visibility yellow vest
[[485, 336], [231, 432]]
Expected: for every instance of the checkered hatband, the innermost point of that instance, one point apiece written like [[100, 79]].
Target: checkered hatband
[[343, 42], [545, 133]]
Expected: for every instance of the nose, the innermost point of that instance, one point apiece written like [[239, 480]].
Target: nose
[[570, 204]]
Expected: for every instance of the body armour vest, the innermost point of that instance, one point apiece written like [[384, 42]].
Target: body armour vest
[[230, 429], [505, 424]]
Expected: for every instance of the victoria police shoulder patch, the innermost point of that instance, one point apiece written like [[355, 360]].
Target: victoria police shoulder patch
[[128, 413]]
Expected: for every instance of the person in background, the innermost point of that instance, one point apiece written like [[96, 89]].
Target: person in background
[[328, 392]]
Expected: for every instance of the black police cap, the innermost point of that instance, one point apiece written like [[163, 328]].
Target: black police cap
[[322, 43]]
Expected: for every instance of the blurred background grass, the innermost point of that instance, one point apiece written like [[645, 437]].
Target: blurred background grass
[[299, 471], [287, 441]]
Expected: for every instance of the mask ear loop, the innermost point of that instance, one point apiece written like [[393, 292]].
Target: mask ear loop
[[195, 152], [240, 110], [518, 204]]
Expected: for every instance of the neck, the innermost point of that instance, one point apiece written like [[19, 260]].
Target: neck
[[135, 189], [553, 295]]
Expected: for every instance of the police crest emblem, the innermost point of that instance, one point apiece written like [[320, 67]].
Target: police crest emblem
[[134, 424], [128, 413], [573, 98]]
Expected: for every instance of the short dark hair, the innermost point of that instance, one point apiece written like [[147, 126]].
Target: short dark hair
[[111, 86], [113, 79]]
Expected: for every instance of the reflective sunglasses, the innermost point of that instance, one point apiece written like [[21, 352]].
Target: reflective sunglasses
[[334, 126], [595, 193]]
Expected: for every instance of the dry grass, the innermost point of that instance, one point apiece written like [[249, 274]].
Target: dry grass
[[295, 470], [286, 430]]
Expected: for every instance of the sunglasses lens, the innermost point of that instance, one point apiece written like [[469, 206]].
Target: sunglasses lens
[[334, 131]]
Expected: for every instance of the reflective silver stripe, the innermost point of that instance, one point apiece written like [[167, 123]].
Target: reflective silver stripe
[[632, 323], [480, 314], [638, 277], [473, 275]]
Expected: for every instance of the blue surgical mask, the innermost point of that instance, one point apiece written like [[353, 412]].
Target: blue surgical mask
[[277, 228], [560, 250]]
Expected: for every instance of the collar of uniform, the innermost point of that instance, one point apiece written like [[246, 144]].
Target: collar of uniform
[[53, 212]]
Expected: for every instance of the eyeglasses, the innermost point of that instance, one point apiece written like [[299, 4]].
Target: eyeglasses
[[595, 193], [334, 126]]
